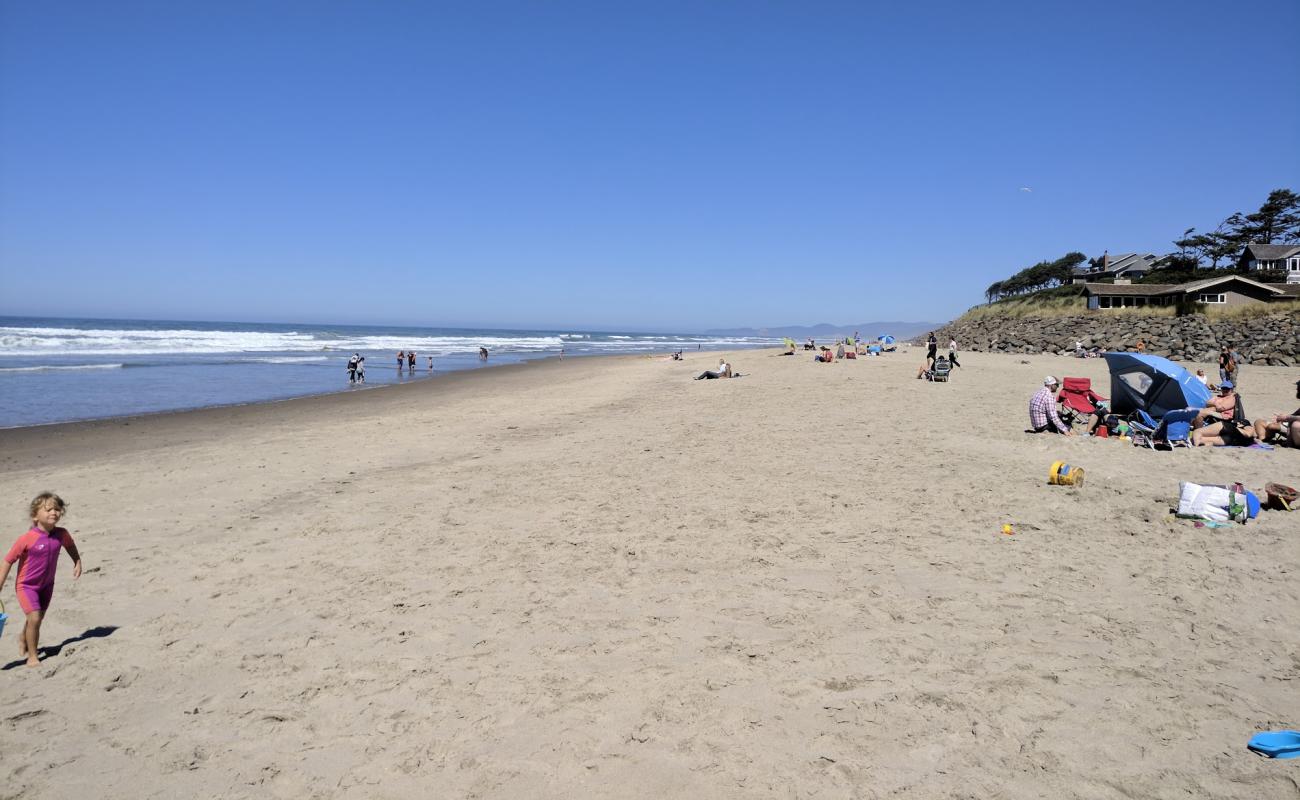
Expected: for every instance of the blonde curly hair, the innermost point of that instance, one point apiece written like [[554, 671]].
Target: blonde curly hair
[[47, 497]]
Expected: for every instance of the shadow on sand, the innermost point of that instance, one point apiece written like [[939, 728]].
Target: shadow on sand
[[47, 652]]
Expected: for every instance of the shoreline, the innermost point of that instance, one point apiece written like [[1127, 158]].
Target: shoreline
[[213, 420]]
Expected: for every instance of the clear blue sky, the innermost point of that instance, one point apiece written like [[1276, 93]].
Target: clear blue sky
[[626, 165]]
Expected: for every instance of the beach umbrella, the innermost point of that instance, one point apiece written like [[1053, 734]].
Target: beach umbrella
[[887, 339], [1151, 383]]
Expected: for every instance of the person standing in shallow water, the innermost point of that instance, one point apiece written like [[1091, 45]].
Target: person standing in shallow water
[[401, 359]]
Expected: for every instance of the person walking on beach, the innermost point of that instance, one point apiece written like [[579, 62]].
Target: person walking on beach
[[37, 554], [352, 368], [1235, 377], [401, 359], [431, 363], [952, 352], [1226, 367], [932, 349], [410, 361], [361, 369]]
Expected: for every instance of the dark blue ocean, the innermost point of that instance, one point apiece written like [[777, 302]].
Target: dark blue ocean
[[60, 370]]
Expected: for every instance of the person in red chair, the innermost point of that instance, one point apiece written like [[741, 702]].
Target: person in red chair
[[1077, 397]]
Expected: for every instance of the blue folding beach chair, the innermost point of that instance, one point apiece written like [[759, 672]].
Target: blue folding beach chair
[[1142, 429], [1176, 428]]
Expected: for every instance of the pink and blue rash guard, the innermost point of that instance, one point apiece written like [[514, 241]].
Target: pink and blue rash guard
[[37, 554]]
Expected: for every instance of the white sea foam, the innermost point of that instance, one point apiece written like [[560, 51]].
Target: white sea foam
[[29, 342], [289, 359], [52, 367]]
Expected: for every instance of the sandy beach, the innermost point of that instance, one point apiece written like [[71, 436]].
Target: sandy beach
[[599, 578]]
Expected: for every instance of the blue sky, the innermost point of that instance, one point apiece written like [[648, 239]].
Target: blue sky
[[626, 165]]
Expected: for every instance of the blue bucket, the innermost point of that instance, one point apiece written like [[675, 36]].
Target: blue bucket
[[3, 617]]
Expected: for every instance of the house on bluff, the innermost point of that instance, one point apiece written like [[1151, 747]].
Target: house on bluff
[[1282, 257], [1124, 265], [1227, 291]]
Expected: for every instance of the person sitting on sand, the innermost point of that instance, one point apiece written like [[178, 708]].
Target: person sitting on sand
[[677, 356], [1043, 417], [826, 355], [723, 371], [1221, 423], [1284, 426], [1205, 381]]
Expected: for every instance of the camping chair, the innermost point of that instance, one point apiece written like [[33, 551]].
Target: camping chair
[[1077, 399], [1143, 429], [1176, 428], [941, 369]]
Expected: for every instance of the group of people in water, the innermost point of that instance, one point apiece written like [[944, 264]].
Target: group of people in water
[[405, 363]]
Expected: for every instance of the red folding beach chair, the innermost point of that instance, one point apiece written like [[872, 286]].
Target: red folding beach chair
[[1077, 397]]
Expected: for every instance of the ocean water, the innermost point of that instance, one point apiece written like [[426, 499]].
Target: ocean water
[[60, 370]]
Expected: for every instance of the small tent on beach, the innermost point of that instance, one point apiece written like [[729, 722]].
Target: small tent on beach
[[1153, 384]]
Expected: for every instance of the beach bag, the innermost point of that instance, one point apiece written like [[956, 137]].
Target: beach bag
[[1281, 497], [1216, 503]]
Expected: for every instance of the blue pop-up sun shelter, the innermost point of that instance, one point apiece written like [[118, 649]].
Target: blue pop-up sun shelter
[[885, 339], [1151, 383]]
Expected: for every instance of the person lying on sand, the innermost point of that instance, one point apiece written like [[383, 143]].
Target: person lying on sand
[[1284, 426], [723, 371]]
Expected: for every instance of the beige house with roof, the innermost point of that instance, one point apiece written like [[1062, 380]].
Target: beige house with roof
[[1225, 292]]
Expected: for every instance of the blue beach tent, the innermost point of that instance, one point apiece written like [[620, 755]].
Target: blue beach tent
[[1152, 384], [886, 339]]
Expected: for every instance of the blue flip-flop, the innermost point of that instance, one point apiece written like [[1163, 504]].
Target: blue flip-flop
[[1276, 744]]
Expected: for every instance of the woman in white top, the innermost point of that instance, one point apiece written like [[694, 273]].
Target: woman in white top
[[724, 371]]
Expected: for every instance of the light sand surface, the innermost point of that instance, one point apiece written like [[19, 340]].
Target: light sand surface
[[600, 578]]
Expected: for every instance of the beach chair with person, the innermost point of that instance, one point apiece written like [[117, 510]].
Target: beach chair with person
[[1079, 403], [941, 369]]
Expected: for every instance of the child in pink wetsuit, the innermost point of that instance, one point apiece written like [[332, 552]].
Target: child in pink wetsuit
[[37, 554]]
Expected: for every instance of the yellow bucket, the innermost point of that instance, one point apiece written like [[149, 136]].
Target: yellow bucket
[[1062, 474]]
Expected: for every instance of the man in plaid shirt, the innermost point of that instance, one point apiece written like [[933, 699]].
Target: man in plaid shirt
[[1042, 409]]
